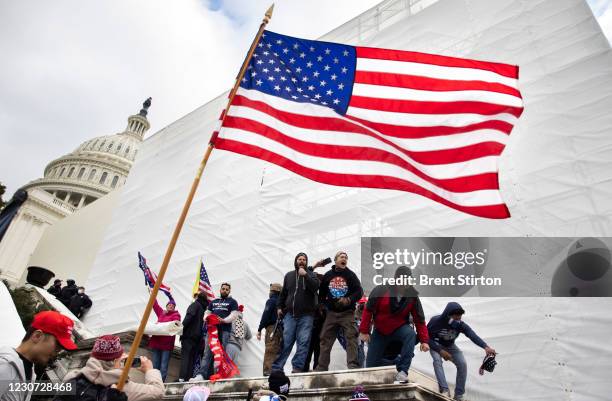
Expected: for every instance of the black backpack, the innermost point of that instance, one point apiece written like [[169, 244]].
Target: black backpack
[[85, 391]]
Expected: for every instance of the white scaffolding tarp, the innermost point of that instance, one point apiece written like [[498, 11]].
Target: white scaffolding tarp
[[250, 218]]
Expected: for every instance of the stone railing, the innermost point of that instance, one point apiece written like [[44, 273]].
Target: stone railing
[[63, 204], [324, 386]]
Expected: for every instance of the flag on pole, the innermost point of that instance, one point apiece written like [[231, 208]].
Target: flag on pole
[[377, 118], [202, 283], [151, 278]]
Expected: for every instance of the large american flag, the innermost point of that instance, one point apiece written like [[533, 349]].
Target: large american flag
[[365, 117], [204, 283], [151, 278]]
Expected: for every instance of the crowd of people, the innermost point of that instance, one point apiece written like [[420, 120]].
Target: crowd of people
[[72, 296], [309, 311]]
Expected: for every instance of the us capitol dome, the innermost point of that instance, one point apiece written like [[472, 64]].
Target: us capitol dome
[[71, 182], [96, 167]]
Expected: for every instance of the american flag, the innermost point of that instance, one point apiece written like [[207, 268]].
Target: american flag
[[377, 118], [204, 283], [151, 278]]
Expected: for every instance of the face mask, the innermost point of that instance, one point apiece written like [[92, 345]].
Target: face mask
[[454, 324]]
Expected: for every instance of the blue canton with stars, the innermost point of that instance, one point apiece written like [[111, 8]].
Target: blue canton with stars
[[304, 71]]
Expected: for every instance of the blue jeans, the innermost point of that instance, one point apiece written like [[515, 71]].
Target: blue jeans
[[378, 342], [206, 366], [295, 329], [459, 362], [161, 359]]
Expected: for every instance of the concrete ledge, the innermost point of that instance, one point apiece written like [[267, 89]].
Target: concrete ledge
[[323, 386]]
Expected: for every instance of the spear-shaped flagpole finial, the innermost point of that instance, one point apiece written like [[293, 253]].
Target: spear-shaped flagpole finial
[[268, 14]]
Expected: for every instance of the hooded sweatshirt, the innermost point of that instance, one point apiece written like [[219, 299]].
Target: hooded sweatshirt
[[443, 330], [152, 389], [12, 370], [338, 283], [164, 343], [299, 293]]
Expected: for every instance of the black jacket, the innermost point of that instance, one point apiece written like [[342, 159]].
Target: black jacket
[[300, 293], [55, 290], [193, 321], [67, 293], [268, 317], [338, 283], [78, 303]]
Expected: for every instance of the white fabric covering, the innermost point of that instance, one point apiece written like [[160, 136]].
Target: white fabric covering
[[13, 330]]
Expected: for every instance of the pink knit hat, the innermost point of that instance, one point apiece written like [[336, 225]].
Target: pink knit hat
[[107, 348]]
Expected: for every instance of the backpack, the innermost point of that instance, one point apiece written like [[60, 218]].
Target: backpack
[[85, 391]]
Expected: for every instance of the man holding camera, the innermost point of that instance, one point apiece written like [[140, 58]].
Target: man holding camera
[[297, 303], [339, 291]]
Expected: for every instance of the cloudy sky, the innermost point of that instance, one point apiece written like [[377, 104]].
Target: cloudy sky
[[73, 70]]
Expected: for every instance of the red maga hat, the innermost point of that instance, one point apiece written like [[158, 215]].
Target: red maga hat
[[56, 324]]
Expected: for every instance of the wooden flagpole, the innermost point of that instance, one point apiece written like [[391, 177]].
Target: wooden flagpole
[[188, 201]]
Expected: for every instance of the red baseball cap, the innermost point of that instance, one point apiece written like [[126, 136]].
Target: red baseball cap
[[56, 324]]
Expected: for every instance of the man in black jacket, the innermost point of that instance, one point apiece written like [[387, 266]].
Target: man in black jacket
[[273, 332], [79, 303], [297, 303], [68, 292], [56, 288], [339, 291], [192, 335]]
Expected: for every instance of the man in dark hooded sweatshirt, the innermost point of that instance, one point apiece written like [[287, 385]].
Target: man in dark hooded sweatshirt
[[192, 335], [443, 330], [68, 292], [296, 305], [56, 288]]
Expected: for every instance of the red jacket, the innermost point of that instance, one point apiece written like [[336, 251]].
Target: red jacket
[[164, 343], [388, 317]]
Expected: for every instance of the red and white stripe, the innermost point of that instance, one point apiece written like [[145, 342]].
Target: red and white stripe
[[431, 125], [205, 288]]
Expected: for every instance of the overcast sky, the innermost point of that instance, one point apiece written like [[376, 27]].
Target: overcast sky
[[73, 70]]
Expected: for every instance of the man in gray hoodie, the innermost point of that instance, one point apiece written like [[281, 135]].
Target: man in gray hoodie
[[49, 333]]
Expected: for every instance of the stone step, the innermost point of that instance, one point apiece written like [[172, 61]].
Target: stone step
[[323, 386]]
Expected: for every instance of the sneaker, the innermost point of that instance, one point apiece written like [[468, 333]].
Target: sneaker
[[181, 380], [197, 378], [459, 398], [402, 377], [296, 370], [446, 393]]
